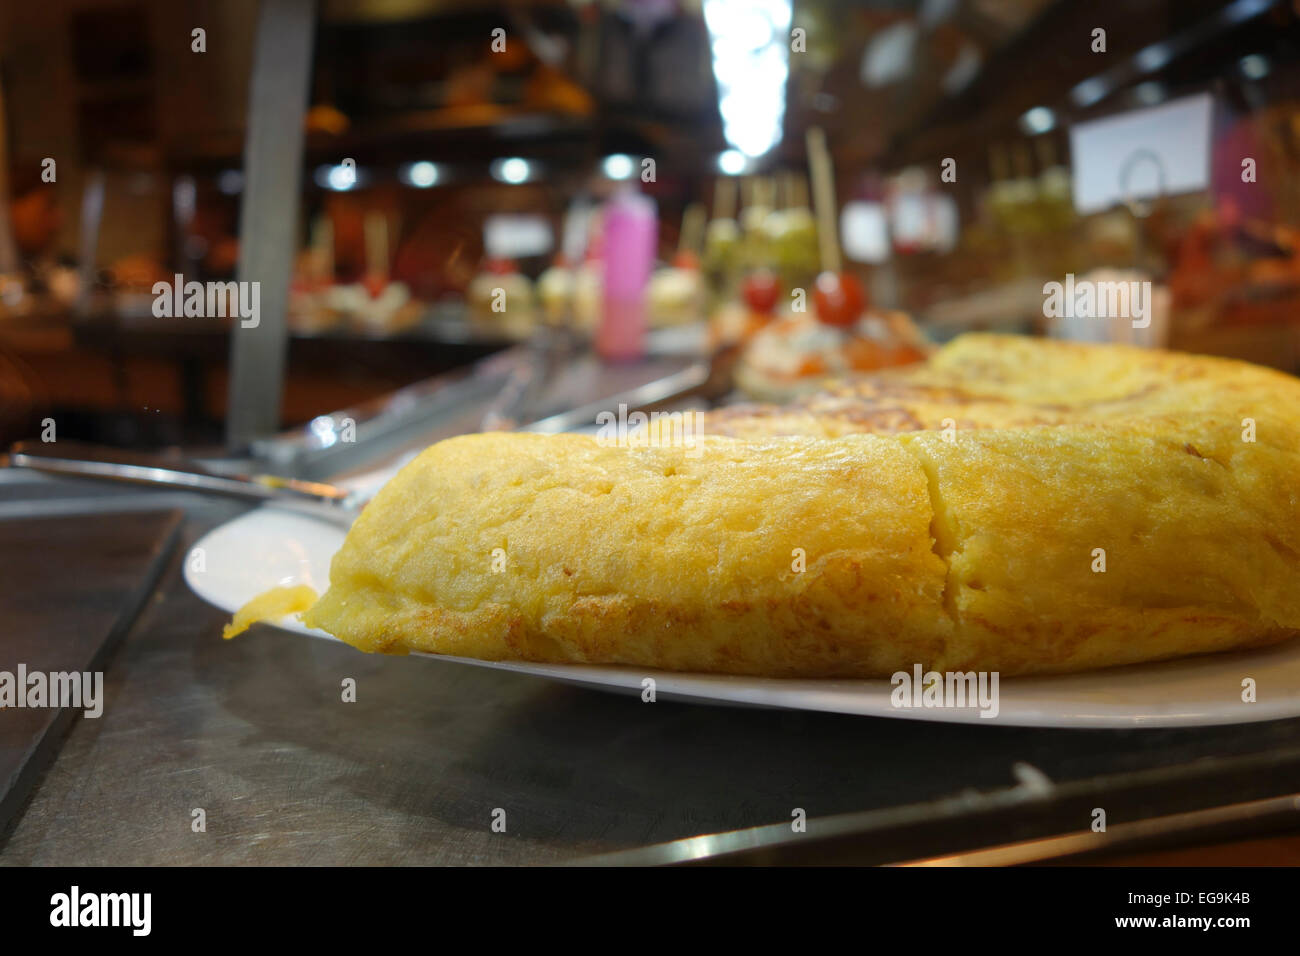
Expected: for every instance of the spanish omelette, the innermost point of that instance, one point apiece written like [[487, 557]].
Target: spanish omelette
[[1011, 505]]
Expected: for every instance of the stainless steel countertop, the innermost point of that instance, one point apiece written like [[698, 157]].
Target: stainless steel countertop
[[254, 731]]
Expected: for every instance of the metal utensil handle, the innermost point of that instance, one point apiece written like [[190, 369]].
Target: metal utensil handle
[[142, 469]]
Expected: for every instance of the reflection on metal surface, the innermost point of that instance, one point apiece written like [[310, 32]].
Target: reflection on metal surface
[[85, 461], [671, 388], [1282, 810], [92, 212], [375, 426], [883, 837]]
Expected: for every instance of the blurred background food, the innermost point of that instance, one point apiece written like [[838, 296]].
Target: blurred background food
[[826, 187]]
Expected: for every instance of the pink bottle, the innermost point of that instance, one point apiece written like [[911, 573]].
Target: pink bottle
[[630, 234]]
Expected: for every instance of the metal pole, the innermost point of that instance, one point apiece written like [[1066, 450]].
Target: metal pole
[[8, 248], [277, 103], [92, 217]]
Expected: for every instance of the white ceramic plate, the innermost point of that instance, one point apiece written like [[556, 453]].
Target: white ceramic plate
[[271, 546]]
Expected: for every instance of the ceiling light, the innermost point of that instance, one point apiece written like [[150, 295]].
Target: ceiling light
[[1153, 57], [513, 170], [750, 41], [1038, 120], [1253, 66], [618, 166], [1090, 91], [339, 178], [422, 175], [732, 162]]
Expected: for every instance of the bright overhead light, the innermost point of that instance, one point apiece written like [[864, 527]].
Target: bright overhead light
[[1040, 119], [339, 178], [750, 44], [322, 426], [1153, 57], [889, 55], [422, 175], [618, 166], [1253, 66], [732, 162], [1242, 10], [513, 170], [1090, 91]]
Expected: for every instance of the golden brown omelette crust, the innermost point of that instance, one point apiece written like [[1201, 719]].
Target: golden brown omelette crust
[[1003, 381], [950, 515]]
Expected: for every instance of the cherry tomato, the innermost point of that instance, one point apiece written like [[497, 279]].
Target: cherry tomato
[[760, 291], [839, 299]]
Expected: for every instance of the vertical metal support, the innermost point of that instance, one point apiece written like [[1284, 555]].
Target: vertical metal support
[[8, 249], [277, 103], [92, 216]]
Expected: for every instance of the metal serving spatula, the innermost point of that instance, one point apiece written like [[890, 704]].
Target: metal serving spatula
[[81, 460]]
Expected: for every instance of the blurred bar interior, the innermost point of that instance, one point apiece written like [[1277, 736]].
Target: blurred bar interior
[[480, 193]]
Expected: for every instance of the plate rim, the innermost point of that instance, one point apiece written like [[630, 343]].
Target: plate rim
[[769, 692]]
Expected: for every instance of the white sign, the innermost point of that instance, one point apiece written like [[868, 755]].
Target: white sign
[[1142, 154], [509, 236]]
